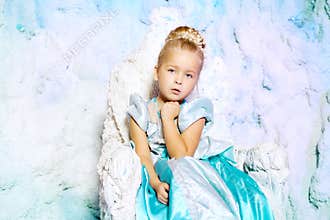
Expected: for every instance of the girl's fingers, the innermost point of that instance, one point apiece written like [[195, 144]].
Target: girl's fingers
[[163, 197], [165, 190], [163, 194], [167, 187], [163, 200]]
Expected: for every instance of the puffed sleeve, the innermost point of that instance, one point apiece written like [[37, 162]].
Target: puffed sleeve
[[138, 110], [194, 110]]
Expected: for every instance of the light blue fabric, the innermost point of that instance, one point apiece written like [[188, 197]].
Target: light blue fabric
[[206, 186], [196, 109], [138, 111], [147, 204], [252, 202]]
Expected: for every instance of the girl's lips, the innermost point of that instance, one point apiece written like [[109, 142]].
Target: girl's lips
[[175, 91]]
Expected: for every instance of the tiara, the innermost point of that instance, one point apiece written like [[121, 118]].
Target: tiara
[[190, 34]]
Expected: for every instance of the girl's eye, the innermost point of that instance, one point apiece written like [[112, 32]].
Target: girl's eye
[[170, 70], [188, 75]]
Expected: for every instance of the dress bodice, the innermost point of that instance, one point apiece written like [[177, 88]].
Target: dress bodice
[[147, 116]]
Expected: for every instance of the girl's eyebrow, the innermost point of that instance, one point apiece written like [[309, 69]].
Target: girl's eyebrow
[[170, 65], [174, 66], [191, 71]]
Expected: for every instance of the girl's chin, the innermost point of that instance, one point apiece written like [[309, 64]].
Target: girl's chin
[[174, 100], [170, 99]]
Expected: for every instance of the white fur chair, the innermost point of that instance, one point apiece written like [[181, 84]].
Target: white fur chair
[[119, 166]]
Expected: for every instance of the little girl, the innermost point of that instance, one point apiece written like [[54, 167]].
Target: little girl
[[186, 174]]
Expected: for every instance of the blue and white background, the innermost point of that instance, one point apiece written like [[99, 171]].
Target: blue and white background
[[267, 64]]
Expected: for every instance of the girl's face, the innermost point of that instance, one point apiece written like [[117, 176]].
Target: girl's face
[[178, 74]]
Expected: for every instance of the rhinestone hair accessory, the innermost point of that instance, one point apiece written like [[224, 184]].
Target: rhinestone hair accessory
[[187, 33]]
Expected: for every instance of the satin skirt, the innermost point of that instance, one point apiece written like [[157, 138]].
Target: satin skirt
[[211, 188]]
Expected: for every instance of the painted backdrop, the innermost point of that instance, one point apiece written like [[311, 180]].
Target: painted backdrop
[[271, 82]]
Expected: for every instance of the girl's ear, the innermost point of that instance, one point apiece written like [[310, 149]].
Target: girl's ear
[[156, 73]]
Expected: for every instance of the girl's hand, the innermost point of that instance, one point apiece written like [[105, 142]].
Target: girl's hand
[[162, 190], [170, 110]]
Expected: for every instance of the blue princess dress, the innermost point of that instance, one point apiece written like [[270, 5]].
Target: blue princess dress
[[205, 186]]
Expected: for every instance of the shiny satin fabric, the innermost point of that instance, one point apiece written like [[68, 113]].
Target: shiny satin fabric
[[206, 186], [252, 201], [203, 189], [147, 204]]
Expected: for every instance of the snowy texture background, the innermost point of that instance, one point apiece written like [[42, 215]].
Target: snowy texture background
[[267, 70]]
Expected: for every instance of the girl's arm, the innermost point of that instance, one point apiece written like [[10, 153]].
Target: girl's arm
[[184, 144], [139, 138]]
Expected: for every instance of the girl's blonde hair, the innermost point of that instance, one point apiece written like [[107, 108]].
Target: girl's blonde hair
[[183, 37]]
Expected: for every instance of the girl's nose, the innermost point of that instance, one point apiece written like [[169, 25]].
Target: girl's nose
[[178, 82], [178, 79]]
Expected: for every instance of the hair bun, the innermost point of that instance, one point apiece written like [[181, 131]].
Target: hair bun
[[187, 33]]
